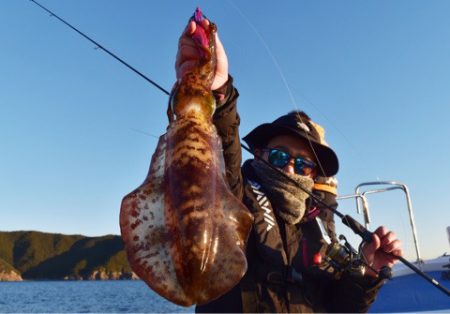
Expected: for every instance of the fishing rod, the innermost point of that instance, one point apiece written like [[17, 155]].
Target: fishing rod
[[347, 220], [99, 46]]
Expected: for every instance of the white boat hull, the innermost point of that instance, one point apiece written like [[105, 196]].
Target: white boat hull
[[408, 292]]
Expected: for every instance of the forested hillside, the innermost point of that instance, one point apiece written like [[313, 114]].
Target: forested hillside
[[38, 255]]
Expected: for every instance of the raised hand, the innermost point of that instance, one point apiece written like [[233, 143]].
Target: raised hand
[[378, 253], [188, 56]]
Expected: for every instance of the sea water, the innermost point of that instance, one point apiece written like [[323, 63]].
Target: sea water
[[122, 296]]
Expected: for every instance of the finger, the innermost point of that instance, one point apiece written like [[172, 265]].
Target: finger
[[221, 65], [186, 53], [381, 231], [388, 238], [190, 28], [376, 242], [186, 41], [205, 23], [370, 248], [185, 37], [220, 51], [391, 246], [185, 67]]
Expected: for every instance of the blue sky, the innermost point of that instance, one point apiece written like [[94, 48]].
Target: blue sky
[[78, 129]]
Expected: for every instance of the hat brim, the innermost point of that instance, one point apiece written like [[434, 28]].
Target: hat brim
[[327, 158]]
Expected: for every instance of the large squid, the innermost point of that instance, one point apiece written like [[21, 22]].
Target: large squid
[[183, 229]]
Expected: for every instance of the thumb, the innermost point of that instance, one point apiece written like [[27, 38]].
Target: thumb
[[376, 242], [369, 249], [221, 75]]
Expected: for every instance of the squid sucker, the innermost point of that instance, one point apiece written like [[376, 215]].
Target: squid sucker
[[183, 229]]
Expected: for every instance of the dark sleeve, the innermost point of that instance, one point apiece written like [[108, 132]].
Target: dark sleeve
[[226, 119], [352, 295]]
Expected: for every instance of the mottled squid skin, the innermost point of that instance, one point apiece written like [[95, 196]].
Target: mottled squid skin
[[183, 229]]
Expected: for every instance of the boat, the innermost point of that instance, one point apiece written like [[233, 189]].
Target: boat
[[407, 291]]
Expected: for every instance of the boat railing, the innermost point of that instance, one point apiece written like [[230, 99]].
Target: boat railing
[[362, 190]]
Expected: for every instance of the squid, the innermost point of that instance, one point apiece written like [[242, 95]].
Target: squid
[[183, 230]]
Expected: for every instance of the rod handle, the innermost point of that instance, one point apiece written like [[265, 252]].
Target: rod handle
[[357, 228]]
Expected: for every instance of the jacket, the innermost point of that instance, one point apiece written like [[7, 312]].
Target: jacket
[[281, 276]]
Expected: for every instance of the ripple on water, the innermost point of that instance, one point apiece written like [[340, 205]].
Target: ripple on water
[[128, 296]]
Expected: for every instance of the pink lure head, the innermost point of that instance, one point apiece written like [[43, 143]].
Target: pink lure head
[[201, 34], [198, 15]]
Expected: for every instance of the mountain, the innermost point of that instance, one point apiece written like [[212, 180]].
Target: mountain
[[38, 256]]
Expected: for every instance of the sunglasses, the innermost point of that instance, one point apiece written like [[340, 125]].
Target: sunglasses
[[280, 159]]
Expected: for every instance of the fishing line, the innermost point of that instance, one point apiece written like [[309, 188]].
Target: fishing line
[[354, 225], [143, 132], [269, 52], [345, 218], [330, 122], [286, 84], [280, 72], [99, 46]]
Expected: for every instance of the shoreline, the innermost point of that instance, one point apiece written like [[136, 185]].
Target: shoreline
[[94, 276]]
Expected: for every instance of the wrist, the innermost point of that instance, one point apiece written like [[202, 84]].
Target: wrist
[[219, 82], [222, 94]]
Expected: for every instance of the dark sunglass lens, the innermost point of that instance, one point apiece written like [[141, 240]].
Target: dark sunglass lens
[[301, 165], [300, 169], [278, 158]]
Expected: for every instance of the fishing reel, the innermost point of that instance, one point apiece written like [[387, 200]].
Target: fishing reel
[[340, 258]]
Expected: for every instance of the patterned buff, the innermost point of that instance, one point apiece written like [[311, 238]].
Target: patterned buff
[[288, 200]]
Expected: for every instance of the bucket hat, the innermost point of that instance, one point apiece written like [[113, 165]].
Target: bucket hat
[[297, 124]]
